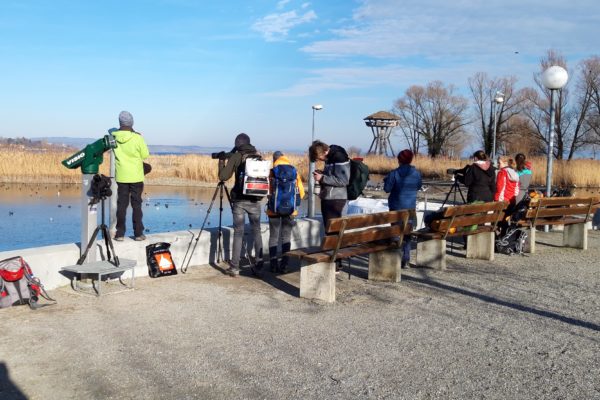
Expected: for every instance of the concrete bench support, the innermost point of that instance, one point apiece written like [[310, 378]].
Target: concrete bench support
[[432, 254], [317, 281], [385, 266], [481, 246], [575, 235], [530, 242]]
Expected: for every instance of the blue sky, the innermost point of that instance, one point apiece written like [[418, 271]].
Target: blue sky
[[199, 72]]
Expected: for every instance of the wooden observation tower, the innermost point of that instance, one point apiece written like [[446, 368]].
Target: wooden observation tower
[[381, 124]]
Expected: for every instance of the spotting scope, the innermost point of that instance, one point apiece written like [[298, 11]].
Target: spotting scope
[[91, 156]]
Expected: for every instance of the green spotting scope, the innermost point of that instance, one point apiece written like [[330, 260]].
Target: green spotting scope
[[90, 158]]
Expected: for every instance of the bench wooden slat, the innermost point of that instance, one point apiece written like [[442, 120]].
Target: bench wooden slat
[[348, 252], [475, 208], [429, 234], [299, 253], [468, 220], [554, 221], [560, 211], [563, 201], [357, 237], [365, 220]]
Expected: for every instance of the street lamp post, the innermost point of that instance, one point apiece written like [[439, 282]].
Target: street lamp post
[[498, 100], [311, 168], [553, 78]]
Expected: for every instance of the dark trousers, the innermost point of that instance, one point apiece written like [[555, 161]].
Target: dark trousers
[[280, 230], [331, 209], [239, 209], [130, 192]]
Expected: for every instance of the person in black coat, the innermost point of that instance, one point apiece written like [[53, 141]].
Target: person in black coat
[[479, 178]]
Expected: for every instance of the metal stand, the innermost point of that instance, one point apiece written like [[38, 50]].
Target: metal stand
[[109, 245], [453, 191], [220, 189]]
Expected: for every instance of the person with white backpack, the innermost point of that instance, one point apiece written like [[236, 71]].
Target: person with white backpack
[[250, 188]]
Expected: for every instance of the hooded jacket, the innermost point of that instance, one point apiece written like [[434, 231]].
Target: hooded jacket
[[336, 175], [130, 153], [233, 167], [507, 185], [283, 160], [402, 184], [480, 178]]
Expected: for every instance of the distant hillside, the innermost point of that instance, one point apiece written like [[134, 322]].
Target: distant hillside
[[36, 144]]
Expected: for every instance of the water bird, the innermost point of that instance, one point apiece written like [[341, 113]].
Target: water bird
[[147, 230], [190, 225], [166, 206], [11, 213], [51, 219], [60, 206], [58, 194]]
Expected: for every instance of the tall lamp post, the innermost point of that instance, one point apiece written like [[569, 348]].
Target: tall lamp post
[[498, 100], [553, 78], [311, 168]]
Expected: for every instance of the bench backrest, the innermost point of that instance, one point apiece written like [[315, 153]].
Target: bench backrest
[[563, 210], [456, 217], [364, 228]]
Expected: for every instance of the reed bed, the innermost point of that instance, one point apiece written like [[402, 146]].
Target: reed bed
[[21, 166]]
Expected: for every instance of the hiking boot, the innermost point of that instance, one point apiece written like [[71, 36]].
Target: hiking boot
[[257, 269], [140, 238], [232, 271], [282, 268], [119, 238], [274, 265], [405, 264], [338, 266]]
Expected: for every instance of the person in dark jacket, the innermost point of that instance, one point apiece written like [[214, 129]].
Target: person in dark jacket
[[242, 204], [402, 184], [333, 179], [479, 178]]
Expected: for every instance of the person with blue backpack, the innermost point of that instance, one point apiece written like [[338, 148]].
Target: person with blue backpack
[[402, 184], [286, 191]]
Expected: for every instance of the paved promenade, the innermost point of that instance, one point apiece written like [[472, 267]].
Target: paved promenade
[[514, 328]]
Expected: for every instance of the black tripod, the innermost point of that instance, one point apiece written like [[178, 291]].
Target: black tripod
[[453, 191], [109, 245], [220, 189]]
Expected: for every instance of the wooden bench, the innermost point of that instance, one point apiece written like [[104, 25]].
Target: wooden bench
[[476, 221], [378, 234], [572, 212]]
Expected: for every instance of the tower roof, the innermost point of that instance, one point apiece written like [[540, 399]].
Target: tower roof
[[382, 115]]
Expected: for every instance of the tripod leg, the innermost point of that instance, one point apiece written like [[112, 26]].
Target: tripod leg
[[109, 244], [184, 265], [89, 246]]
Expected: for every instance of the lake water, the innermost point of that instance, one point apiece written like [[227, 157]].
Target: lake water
[[41, 215]]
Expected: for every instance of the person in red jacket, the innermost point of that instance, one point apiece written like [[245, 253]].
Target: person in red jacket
[[507, 181]]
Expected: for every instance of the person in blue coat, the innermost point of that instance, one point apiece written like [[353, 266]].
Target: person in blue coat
[[402, 184]]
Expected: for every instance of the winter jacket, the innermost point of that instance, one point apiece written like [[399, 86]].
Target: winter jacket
[[402, 184], [283, 160], [507, 185], [234, 166], [524, 181], [480, 179], [130, 153], [336, 174]]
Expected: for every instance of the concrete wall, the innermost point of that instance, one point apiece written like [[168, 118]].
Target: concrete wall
[[46, 262]]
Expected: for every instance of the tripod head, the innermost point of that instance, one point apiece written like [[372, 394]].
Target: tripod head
[[100, 188]]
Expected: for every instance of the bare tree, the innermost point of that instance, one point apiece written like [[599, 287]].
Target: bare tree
[[570, 120], [435, 113], [590, 69], [484, 91]]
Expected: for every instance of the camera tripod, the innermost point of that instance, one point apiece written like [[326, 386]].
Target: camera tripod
[[220, 189], [453, 191], [105, 233]]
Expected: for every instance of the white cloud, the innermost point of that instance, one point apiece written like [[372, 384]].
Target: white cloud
[[282, 4], [461, 28], [277, 26]]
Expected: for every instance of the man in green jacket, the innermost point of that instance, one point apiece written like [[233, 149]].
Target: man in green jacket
[[130, 153]]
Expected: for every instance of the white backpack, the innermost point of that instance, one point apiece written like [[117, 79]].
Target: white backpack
[[256, 176]]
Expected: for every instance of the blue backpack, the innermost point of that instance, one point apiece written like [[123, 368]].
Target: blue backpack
[[284, 199]]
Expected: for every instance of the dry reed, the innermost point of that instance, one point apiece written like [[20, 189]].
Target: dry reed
[[191, 169]]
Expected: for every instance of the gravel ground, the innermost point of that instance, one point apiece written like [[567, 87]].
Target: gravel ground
[[515, 328]]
